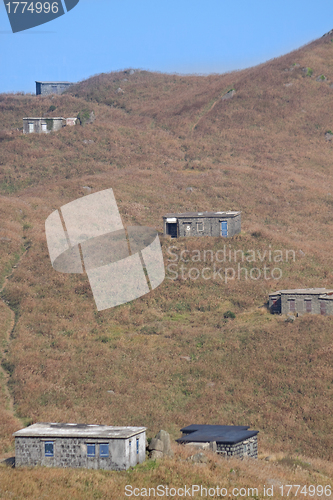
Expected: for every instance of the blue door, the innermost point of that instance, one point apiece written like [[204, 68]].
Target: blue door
[[224, 229]]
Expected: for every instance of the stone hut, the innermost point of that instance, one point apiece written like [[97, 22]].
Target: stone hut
[[301, 301], [80, 445], [224, 224], [229, 440], [47, 88], [42, 125]]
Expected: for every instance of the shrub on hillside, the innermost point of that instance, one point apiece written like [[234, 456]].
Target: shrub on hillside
[[85, 116]]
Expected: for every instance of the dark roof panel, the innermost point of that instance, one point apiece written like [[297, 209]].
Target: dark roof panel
[[220, 433]]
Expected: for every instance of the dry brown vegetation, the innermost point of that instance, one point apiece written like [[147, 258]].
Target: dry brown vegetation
[[171, 357], [57, 484]]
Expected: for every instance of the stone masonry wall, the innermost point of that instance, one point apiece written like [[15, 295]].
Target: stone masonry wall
[[211, 226], [51, 88], [300, 304], [72, 452], [247, 448]]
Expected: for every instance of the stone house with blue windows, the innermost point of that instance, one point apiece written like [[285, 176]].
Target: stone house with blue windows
[[80, 445], [225, 224]]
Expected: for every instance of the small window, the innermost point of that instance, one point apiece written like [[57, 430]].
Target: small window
[[137, 446], [49, 446], [104, 450], [91, 450], [323, 308], [199, 226], [308, 305], [130, 444]]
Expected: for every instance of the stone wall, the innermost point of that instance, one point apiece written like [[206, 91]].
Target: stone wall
[[206, 226], [72, 452], [247, 448], [300, 304], [51, 88]]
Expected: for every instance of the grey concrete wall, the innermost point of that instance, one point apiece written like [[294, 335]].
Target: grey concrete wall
[[49, 88], [247, 448], [57, 124], [135, 458], [72, 452]]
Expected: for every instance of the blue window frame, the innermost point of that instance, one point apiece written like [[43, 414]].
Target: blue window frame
[[224, 229], [91, 450], [49, 448], [104, 450], [137, 446]]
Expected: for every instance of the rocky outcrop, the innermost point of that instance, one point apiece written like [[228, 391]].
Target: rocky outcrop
[[160, 445]]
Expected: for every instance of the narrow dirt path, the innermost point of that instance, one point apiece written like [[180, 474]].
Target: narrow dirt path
[[205, 114], [9, 421]]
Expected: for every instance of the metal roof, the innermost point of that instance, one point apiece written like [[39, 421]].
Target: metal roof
[[78, 430], [203, 214], [220, 433], [304, 291]]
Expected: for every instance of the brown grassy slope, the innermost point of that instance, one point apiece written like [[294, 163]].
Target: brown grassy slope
[[253, 152], [235, 478], [11, 250]]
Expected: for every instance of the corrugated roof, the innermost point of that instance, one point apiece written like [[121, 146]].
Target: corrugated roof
[[202, 214], [220, 433], [78, 430]]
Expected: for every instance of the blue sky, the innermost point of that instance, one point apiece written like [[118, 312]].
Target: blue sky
[[184, 36]]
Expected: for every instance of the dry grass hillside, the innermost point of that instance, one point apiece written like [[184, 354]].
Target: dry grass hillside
[[172, 358]]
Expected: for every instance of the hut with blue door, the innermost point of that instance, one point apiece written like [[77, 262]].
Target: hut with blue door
[[80, 445], [225, 224]]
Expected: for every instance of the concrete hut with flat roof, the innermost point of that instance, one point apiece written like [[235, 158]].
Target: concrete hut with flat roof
[[80, 445], [44, 125], [229, 440], [224, 224], [301, 301]]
